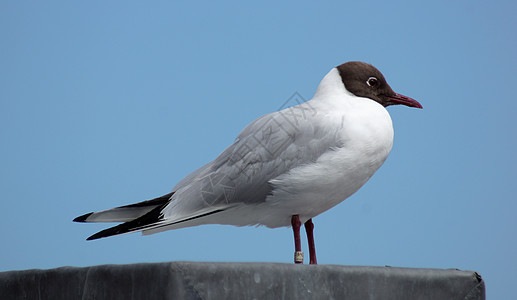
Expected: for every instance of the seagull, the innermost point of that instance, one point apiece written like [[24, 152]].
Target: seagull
[[284, 168]]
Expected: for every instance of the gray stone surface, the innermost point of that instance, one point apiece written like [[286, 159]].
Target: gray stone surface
[[198, 280]]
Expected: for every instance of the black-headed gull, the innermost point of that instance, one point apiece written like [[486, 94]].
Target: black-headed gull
[[284, 168]]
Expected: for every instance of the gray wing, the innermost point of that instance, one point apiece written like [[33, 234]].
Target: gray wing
[[270, 146], [200, 172]]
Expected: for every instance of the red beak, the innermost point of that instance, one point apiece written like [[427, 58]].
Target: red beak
[[401, 99]]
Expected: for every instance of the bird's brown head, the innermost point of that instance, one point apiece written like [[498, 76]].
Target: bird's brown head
[[364, 80]]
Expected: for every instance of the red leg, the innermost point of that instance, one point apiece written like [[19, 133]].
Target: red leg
[[309, 227], [298, 254]]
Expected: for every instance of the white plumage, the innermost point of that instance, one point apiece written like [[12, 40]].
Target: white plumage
[[324, 151], [300, 161]]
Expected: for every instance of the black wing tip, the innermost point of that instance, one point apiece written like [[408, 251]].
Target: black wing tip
[[137, 224], [82, 219], [98, 235], [116, 230], [141, 223], [162, 200]]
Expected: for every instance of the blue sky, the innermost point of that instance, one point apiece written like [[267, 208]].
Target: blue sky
[[105, 104]]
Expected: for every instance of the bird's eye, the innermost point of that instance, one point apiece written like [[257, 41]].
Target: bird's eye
[[372, 81]]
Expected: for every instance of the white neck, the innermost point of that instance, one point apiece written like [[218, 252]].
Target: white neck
[[331, 84]]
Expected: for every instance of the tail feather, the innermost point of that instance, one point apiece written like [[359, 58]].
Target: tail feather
[[125, 213], [152, 220], [147, 220], [141, 216]]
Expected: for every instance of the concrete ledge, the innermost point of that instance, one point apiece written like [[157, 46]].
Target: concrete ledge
[[198, 280]]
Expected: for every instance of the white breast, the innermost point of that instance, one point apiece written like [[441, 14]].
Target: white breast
[[365, 133], [359, 133]]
